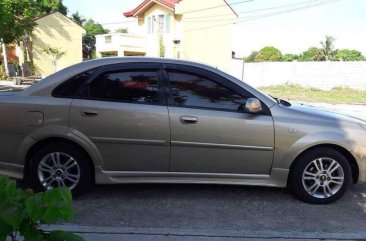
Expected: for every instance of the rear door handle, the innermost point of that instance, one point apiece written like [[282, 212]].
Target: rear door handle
[[188, 119], [89, 113]]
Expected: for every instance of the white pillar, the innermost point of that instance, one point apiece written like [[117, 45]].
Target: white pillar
[[120, 52], [19, 50], [5, 58]]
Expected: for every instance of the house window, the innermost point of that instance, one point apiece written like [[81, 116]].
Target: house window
[[158, 24], [108, 39], [167, 23], [161, 23]]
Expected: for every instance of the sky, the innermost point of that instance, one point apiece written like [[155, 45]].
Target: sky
[[292, 32]]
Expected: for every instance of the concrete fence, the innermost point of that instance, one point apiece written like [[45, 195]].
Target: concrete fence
[[321, 75]]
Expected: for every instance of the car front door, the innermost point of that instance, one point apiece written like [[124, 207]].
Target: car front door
[[122, 109], [210, 130]]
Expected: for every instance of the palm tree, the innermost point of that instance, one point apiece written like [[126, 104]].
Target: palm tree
[[78, 18], [327, 51]]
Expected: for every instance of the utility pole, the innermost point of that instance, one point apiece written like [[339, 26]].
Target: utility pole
[[5, 58], [242, 71]]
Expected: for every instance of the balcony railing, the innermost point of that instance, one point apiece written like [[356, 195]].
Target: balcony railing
[[116, 41]]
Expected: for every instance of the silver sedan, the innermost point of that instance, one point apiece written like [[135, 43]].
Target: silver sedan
[[145, 120]]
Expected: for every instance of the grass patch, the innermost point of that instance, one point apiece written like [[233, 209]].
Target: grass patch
[[337, 95]]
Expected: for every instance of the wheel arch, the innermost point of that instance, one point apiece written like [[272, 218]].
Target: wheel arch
[[53, 141], [346, 153]]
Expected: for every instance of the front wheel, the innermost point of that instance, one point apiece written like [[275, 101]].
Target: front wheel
[[60, 165], [320, 176]]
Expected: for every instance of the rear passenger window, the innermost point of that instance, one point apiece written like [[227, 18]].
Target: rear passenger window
[[70, 88], [137, 86]]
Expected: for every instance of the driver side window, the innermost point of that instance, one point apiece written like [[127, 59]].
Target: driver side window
[[191, 90]]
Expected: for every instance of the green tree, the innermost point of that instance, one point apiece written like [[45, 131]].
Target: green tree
[[121, 30], [312, 54], [161, 46], [54, 54], [49, 6], [92, 28], [348, 55], [251, 57], [18, 17], [268, 54], [77, 18], [327, 50], [289, 57]]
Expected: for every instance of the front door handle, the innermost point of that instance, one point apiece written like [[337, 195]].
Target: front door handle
[[89, 113], [188, 119]]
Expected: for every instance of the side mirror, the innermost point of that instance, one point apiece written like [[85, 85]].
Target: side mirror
[[253, 105]]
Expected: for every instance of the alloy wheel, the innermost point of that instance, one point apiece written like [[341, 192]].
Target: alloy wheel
[[323, 177], [58, 169]]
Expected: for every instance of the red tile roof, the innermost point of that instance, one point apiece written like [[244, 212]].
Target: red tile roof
[[167, 3]]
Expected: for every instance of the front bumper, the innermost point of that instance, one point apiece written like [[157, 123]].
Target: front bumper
[[11, 170], [360, 154]]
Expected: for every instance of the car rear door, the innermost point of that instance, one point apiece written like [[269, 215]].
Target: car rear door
[[122, 109], [210, 131]]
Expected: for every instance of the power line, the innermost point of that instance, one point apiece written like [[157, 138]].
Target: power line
[[257, 10], [107, 23], [197, 10], [251, 18], [219, 6], [290, 10], [241, 19], [244, 12]]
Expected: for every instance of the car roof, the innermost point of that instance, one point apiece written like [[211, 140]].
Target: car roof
[[46, 86]]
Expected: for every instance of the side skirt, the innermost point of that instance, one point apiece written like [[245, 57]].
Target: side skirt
[[11, 170], [277, 178]]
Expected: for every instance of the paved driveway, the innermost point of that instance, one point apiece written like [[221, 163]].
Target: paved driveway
[[218, 207], [9, 86]]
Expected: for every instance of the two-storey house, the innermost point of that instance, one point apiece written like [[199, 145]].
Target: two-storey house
[[184, 29]]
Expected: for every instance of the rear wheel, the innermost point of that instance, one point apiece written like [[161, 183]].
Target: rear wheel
[[60, 165], [320, 176]]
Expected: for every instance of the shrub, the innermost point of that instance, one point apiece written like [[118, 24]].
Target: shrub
[[2, 72], [268, 54], [289, 57], [32, 67], [251, 57], [22, 212], [312, 54], [348, 55]]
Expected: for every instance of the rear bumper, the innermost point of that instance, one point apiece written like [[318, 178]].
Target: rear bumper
[[11, 170]]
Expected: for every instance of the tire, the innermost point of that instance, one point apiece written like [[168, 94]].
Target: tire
[[316, 177], [60, 164]]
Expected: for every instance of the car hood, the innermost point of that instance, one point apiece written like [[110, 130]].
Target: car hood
[[311, 113]]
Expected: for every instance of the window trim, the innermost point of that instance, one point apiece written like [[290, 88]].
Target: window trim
[[114, 67], [218, 79], [95, 69]]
